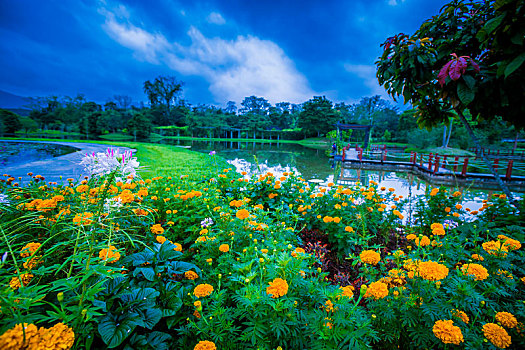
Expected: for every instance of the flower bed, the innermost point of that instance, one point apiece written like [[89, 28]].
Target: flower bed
[[263, 262]]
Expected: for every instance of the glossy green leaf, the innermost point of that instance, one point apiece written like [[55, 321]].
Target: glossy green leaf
[[514, 64]]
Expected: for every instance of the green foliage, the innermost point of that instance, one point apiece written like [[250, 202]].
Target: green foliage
[[10, 121], [317, 116], [485, 33]]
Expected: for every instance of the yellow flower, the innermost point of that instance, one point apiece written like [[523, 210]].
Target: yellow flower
[[479, 272], [110, 254], [377, 290], [447, 332], [205, 345], [242, 214], [202, 290], [349, 229], [83, 219], [432, 271], [82, 188], [477, 257], [178, 247], [507, 319], [348, 291], [510, 243], [13, 339], [461, 315], [277, 288], [370, 257], [29, 249], [160, 239], [157, 229], [495, 248], [191, 275], [497, 335], [224, 248], [411, 237], [15, 281], [423, 242], [57, 337]]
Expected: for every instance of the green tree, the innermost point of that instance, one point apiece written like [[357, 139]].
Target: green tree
[[140, 126], [318, 116], [28, 124], [10, 120], [485, 40], [163, 91]]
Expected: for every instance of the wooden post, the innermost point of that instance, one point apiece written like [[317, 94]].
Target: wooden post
[[344, 154], [496, 161], [465, 166], [421, 160], [456, 161], [430, 157], [360, 154], [384, 155], [436, 165], [509, 170], [415, 158]]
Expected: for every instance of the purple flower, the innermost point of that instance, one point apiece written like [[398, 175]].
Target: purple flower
[[207, 222], [212, 153]]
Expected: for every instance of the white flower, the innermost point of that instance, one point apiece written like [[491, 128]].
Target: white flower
[[100, 164]]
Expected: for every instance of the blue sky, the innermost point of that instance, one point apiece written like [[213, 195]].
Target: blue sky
[[221, 50]]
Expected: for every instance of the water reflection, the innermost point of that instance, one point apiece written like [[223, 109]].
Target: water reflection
[[313, 164]]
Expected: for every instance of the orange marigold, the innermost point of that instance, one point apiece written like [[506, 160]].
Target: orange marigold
[[60, 336], [348, 291], [157, 229], [160, 239], [205, 345], [447, 332], [202, 290], [83, 219], [13, 339], [461, 315], [432, 271], [423, 242], [191, 275], [477, 257], [497, 335], [224, 248], [507, 319], [411, 237], [495, 248], [370, 257], [277, 288], [479, 272], [15, 281], [29, 249], [510, 243], [110, 254], [376, 290], [242, 214]]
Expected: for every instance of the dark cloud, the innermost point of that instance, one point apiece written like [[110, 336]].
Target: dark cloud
[[221, 49]]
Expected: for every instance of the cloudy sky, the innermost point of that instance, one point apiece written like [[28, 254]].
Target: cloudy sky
[[222, 50]]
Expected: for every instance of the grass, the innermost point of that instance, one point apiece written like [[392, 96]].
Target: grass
[[160, 159], [449, 151]]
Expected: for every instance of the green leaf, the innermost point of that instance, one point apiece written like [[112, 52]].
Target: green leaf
[[465, 94], [140, 294], [515, 64], [114, 331], [150, 318], [471, 82], [157, 340], [148, 273], [500, 3], [145, 256], [491, 25]]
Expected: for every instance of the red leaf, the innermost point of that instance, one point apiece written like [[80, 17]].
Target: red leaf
[[457, 68], [443, 73], [474, 65]]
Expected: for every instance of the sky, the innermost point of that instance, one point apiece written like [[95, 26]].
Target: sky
[[221, 50]]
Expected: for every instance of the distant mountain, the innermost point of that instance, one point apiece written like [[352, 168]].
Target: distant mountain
[[11, 101]]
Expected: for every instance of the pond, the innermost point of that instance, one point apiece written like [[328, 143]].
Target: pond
[[314, 165], [14, 153]]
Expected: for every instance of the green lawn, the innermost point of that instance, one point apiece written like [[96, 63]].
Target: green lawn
[[159, 159]]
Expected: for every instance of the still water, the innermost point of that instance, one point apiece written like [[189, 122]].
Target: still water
[[314, 165]]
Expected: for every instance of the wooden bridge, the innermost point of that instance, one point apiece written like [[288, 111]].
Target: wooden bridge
[[435, 168]]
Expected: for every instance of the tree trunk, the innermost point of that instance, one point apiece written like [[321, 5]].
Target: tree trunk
[[449, 131], [444, 142], [501, 184], [515, 141]]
